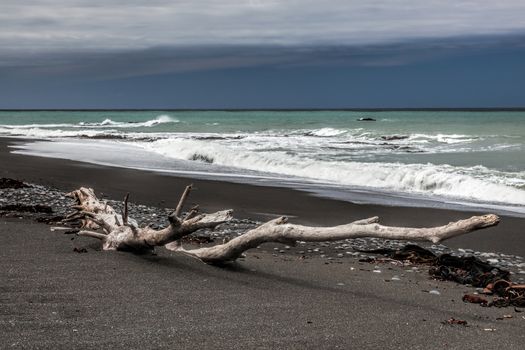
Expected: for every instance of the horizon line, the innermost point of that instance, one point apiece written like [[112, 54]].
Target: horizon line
[[350, 109]]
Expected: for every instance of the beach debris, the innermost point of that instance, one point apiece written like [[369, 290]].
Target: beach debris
[[410, 252], [454, 321], [80, 250], [60, 228], [472, 271], [467, 270], [475, 299], [120, 232], [503, 317], [489, 329], [508, 294], [6, 182], [434, 292]]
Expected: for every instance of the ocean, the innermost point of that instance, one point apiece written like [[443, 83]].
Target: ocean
[[460, 159]]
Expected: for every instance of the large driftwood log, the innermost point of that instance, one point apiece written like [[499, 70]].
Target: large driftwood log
[[119, 232]]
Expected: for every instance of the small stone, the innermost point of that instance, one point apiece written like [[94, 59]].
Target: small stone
[[434, 292], [395, 278], [376, 271]]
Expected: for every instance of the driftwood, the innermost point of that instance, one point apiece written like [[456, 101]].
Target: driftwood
[[119, 232]]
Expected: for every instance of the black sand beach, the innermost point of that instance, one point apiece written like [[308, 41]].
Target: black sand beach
[[53, 297], [247, 201]]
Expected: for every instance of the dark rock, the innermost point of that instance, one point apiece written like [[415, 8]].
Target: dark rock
[[201, 158], [394, 137], [366, 119]]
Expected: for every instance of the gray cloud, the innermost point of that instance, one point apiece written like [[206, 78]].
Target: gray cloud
[[74, 25], [90, 65]]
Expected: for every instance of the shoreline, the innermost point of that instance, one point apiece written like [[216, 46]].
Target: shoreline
[[248, 201], [324, 189]]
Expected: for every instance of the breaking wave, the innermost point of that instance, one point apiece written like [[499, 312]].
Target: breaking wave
[[106, 123], [34, 132], [325, 132], [472, 183], [161, 119]]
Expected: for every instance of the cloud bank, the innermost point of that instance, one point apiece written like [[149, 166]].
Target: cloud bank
[[259, 53], [51, 25]]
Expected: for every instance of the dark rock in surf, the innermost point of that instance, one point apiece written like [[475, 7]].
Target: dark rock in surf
[[394, 137], [201, 158], [366, 119]]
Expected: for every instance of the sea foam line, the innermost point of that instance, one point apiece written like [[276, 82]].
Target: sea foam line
[[473, 183], [106, 123]]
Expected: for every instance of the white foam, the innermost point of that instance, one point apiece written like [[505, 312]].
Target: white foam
[[54, 133], [161, 119], [472, 183], [442, 138], [326, 132]]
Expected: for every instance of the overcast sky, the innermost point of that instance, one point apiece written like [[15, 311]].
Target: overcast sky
[[261, 54]]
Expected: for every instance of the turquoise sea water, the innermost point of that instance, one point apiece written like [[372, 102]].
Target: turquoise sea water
[[476, 156]]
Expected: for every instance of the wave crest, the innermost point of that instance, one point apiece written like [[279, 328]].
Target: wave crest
[[472, 183], [161, 119]]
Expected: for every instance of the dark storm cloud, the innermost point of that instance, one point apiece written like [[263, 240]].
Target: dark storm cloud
[[265, 53], [112, 64]]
